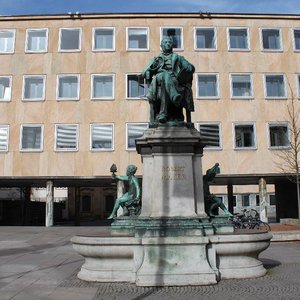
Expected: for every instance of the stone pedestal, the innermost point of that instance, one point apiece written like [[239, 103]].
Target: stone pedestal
[[173, 224], [172, 177]]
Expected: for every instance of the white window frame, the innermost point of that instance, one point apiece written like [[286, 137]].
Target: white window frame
[[248, 39], [217, 97], [23, 89], [215, 39], [231, 86], [57, 88], [280, 40], [112, 138], [113, 86], [198, 124], [133, 98], [13, 42], [127, 39], [265, 86], [173, 27], [104, 49], [126, 133], [7, 140], [66, 149], [234, 124], [293, 39], [42, 138], [298, 85], [283, 123], [70, 29], [27, 36], [10, 89]]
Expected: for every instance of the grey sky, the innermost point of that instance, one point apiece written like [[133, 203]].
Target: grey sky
[[25, 7]]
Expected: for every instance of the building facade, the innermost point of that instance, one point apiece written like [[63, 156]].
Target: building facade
[[72, 102]]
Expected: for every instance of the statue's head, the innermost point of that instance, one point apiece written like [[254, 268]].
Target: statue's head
[[131, 169], [167, 44]]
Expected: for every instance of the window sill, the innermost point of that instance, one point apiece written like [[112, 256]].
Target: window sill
[[103, 50], [212, 149], [239, 50], [65, 150], [245, 148], [103, 99], [70, 51], [206, 49], [207, 98], [280, 148], [138, 50], [101, 150], [36, 52], [33, 100], [272, 50], [31, 151], [242, 98], [67, 99]]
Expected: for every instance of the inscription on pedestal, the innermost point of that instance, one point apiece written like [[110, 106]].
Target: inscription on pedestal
[[173, 173]]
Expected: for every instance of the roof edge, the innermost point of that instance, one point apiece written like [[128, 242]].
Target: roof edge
[[200, 14]]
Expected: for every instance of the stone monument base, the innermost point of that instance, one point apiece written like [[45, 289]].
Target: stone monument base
[[172, 261], [172, 242]]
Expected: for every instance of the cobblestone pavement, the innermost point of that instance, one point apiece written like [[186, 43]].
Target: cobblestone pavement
[[39, 263]]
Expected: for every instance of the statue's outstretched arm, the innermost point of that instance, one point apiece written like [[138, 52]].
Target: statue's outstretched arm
[[123, 178]]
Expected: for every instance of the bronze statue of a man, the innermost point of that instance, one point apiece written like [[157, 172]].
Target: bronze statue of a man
[[169, 77], [132, 197]]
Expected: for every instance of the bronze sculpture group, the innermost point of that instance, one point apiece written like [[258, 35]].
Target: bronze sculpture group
[[169, 77]]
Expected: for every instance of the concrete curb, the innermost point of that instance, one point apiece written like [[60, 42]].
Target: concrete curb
[[285, 236]]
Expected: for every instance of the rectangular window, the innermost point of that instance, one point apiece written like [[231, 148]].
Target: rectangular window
[[68, 87], [102, 86], [296, 36], [207, 86], [234, 200], [4, 137], [136, 86], [205, 39], [257, 202], [275, 86], [7, 41], [137, 39], [238, 39], [5, 88], [279, 135], [244, 136], [241, 86], [66, 137], [34, 87], [104, 39], [70, 39], [36, 40], [245, 200], [210, 134], [102, 137], [176, 34], [271, 39], [134, 131], [272, 199], [31, 138]]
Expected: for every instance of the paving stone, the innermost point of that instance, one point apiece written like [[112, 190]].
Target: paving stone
[[35, 267]]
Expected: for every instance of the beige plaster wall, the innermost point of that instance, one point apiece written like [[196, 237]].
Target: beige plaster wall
[[120, 111]]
